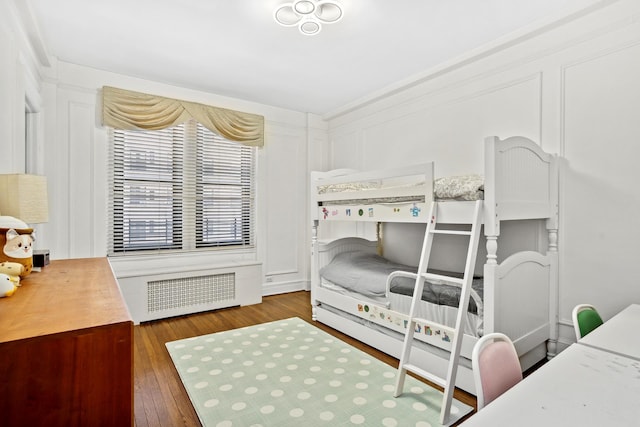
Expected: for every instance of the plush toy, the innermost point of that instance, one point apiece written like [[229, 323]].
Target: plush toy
[[16, 241], [13, 270], [7, 287]]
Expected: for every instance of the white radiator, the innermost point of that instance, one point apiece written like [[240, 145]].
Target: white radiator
[[168, 294], [190, 291]]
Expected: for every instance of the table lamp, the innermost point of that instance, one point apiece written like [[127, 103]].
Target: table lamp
[[24, 196]]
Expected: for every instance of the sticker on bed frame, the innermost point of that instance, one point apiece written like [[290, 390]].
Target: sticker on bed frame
[[325, 212], [370, 212], [415, 210], [382, 315], [347, 212], [378, 314]]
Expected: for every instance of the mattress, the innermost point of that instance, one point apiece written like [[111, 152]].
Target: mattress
[[460, 187], [366, 273]]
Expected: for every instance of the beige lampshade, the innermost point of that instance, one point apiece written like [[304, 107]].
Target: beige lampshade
[[24, 197]]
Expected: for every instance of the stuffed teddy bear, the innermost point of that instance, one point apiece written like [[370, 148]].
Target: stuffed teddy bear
[[16, 241], [7, 287], [13, 270]]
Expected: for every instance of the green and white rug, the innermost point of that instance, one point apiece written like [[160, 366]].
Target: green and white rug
[[290, 373]]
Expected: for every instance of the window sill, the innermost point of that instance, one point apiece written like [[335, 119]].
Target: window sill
[[154, 264]]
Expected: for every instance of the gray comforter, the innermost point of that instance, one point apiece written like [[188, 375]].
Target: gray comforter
[[366, 273]]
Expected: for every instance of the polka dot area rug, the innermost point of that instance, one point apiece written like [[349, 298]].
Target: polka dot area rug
[[290, 373]]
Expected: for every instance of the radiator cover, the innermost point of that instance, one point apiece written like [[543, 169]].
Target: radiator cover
[[184, 292], [161, 292]]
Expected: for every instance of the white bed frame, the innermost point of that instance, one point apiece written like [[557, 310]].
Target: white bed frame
[[520, 293]]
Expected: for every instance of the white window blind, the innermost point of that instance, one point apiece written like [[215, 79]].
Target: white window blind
[[181, 188]]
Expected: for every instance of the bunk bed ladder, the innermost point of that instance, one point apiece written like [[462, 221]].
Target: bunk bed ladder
[[457, 333]]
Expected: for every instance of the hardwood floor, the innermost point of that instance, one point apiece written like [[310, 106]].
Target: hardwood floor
[[160, 400]]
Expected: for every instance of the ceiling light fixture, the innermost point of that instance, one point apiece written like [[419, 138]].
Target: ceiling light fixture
[[308, 15]]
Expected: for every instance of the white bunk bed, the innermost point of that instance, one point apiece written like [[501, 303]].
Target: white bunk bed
[[517, 296]]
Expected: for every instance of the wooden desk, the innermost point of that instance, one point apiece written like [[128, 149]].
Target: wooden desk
[[66, 349], [618, 334], [582, 386]]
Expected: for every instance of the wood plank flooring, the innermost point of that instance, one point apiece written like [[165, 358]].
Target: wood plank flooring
[[160, 399]]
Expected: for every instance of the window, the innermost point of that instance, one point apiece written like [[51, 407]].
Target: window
[[181, 188]]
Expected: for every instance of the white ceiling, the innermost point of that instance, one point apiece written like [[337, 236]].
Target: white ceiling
[[235, 48]]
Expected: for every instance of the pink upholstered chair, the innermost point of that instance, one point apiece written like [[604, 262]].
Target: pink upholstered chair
[[496, 367]]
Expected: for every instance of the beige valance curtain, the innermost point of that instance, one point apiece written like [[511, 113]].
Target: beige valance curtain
[[124, 109]]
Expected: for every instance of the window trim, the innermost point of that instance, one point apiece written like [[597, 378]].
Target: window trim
[[187, 196]]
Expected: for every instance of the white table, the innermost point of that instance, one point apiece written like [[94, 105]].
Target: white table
[[582, 386], [620, 334]]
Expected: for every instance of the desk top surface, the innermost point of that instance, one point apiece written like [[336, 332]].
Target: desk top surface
[[618, 334], [67, 295], [581, 386]]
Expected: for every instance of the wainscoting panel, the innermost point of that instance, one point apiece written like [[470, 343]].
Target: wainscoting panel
[[459, 120], [80, 178], [599, 212], [285, 208]]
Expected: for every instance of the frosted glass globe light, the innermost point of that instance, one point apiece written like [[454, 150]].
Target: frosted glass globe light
[[308, 15]]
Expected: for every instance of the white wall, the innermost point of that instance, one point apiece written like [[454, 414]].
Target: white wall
[[71, 150], [575, 89], [78, 176], [20, 97], [19, 80]]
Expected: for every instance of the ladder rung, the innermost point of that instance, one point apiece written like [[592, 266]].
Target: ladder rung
[[426, 375], [451, 279], [458, 232]]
